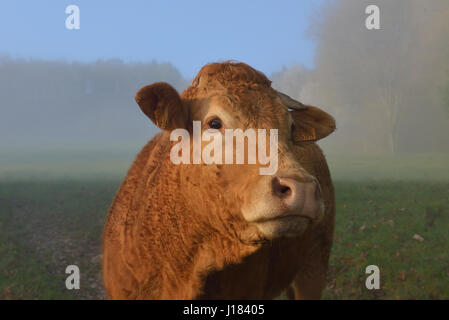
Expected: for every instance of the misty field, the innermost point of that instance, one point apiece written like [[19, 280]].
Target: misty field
[[47, 225]]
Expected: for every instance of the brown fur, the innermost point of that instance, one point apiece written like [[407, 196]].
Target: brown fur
[[176, 231]]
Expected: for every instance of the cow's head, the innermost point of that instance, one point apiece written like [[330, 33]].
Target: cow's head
[[236, 198]]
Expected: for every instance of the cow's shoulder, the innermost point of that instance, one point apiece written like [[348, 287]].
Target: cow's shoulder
[[143, 166]]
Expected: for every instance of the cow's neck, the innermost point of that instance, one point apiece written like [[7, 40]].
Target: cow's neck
[[188, 249]]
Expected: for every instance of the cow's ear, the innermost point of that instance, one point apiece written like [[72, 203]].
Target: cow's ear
[[311, 124], [163, 105]]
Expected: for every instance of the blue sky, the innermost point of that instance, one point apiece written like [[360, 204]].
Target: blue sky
[[265, 34]]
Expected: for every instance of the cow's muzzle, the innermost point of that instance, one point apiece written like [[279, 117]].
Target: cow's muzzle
[[299, 196], [285, 205]]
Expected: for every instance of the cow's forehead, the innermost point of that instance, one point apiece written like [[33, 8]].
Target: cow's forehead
[[256, 107]]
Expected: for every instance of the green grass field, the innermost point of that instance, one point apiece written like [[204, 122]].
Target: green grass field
[[48, 222], [375, 224], [46, 226]]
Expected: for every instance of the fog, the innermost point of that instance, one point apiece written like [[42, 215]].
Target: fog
[[48, 105], [387, 88]]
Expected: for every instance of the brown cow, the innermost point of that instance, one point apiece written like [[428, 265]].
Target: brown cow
[[223, 231]]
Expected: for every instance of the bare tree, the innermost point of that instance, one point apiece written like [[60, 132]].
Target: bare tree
[[369, 75]]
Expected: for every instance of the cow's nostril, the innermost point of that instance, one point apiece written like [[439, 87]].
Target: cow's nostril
[[281, 188], [286, 191]]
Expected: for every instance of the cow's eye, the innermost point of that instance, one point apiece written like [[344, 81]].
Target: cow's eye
[[215, 124]]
